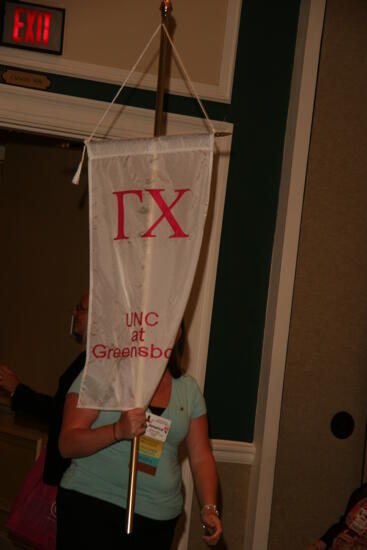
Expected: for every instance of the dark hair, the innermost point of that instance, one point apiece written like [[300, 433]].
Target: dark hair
[[175, 365]]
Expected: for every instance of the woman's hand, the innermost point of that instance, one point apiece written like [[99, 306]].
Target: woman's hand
[[205, 476], [213, 526], [131, 424], [78, 438], [8, 379]]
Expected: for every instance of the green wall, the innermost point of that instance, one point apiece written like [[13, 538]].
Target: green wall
[[259, 111]]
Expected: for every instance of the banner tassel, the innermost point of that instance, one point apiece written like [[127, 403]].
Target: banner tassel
[[76, 178]]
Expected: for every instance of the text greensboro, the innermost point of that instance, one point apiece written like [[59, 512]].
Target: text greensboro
[[101, 351]]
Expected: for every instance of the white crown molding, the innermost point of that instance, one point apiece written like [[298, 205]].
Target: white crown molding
[[68, 67], [63, 115], [73, 117], [234, 452]]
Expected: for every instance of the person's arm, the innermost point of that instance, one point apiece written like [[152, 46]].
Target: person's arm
[[8, 379], [78, 439], [205, 476], [23, 398], [326, 540]]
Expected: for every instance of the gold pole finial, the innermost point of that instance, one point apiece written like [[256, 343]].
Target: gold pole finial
[[166, 6]]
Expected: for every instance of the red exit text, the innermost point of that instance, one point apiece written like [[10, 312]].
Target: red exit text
[[31, 26]]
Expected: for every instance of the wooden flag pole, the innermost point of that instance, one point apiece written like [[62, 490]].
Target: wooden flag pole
[[165, 8], [132, 485]]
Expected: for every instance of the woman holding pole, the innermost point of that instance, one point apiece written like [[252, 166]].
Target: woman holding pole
[[92, 493]]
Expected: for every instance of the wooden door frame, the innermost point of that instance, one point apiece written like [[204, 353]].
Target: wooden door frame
[[283, 269]]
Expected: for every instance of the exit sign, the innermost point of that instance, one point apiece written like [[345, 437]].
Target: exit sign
[[32, 26]]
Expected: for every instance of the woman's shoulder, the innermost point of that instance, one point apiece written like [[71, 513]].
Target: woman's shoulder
[[187, 382], [188, 389]]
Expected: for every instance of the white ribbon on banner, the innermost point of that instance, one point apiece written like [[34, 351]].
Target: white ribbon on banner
[[148, 204]]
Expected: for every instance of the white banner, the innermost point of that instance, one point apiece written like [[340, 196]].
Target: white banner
[[148, 203]]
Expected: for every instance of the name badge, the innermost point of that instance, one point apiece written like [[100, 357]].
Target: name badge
[[152, 442]]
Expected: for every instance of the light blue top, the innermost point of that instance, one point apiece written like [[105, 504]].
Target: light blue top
[[105, 474]]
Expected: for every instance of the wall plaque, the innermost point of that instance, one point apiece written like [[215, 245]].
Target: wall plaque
[[16, 77]]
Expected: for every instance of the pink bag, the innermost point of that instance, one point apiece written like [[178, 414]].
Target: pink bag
[[32, 518]]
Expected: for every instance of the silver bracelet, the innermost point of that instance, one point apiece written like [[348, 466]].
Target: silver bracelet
[[212, 507]]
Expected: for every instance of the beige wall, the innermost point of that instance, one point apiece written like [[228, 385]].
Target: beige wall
[[327, 352], [118, 31]]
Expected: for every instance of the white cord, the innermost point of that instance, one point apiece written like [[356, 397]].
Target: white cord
[[124, 84], [76, 177], [189, 81]]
